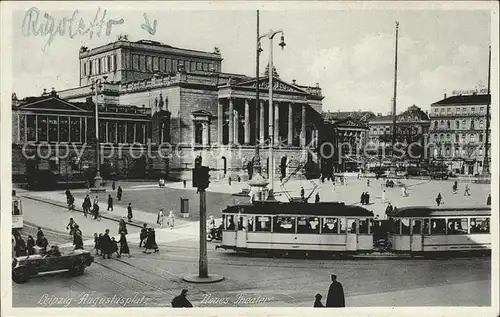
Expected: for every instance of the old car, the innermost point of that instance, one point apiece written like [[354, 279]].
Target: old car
[[73, 262]]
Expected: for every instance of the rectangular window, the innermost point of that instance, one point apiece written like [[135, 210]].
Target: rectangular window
[[121, 132], [427, 227], [31, 128], [84, 70], [82, 134], [99, 66], [473, 110], [438, 226], [457, 138], [193, 66], [449, 110], [481, 109], [135, 62], [174, 66], [139, 135], [162, 65], [115, 62], [149, 63], [74, 124], [102, 132], [308, 225], [249, 223], [464, 110], [330, 225], [228, 221], [112, 132], [211, 67], [480, 225], [481, 124], [457, 226], [63, 129], [187, 66], [283, 224], [169, 66], [142, 63], [130, 132], [263, 224], [110, 64], [351, 226], [480, 137], [436, 110], [205, 67], [364, 226], [156, 66], [416, 225], [457, 124], [198, 66], [53, 131]]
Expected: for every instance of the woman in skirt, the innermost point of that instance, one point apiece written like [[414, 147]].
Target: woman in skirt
[[151, 241], [124, 245]]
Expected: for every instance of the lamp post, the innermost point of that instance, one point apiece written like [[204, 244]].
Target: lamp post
[[96, 88], [270, 35]]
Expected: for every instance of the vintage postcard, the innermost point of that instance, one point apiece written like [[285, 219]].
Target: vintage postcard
[[261, 158]]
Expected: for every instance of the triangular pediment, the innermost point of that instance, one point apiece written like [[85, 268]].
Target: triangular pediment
[[51, 103], [278, 85]]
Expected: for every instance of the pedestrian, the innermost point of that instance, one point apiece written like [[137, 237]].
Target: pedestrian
[[160, 219], [78, 240], [333, 186], [389, 209], [368, 183], [119, 193], [455, 187], [151, 241], [317, 301], [211, 226], [96, 200], [96, 243], [114, 248], [402, 191], [100, 244], [467, 190], [114, 185], [143, 235], [110, 202], [71, 203], [42, 242], [106, 245], [171, 219], [488, 200], [129, 212], [39, 234], [67, 193], [362, 198], [383, 195], [438, 199], [302, 192], [335, 296], [20, 247], [87, 204], [122, 227], [95, 212], [71, 226], [124, 249], [77, 230], [30, 243], [239, 179], [229, 180], [316, 199], [181, 301]]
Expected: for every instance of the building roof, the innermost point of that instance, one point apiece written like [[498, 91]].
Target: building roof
[[474, 99]]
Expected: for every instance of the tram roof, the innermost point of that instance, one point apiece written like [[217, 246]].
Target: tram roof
[[441, 211], [298, 208]]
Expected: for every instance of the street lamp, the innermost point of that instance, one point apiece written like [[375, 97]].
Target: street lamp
[[270, 35], [97, 88]]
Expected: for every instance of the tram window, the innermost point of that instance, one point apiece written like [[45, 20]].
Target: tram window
[[263, 224], [308, 225], [438, 226], [480, 225], [230, 222], [283, 224], [341, 225], [240, 224], [330, 225], [457, 226], [351, 225], [416, 226], [396, 228], [250, 224], [405, 226], [426, 227], [363, 226]]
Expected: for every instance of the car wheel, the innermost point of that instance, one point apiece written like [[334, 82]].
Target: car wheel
[[77, 268], [20, 276]]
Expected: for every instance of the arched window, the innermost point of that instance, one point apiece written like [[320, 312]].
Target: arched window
[[448, 124], [448, 137], [442, 123], [472, 124], [463, 124], [481, 124], [457, 124], [435, 124]]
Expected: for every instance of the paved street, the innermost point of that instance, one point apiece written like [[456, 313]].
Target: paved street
[[281, 282]]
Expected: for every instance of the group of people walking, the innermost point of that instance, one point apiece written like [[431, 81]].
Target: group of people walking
[[105, 245]]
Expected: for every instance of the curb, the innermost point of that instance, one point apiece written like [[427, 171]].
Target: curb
[[81, 211]]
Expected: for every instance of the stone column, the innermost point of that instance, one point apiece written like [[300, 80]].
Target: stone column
[[220, 122], [262, 111], [270, 121], [236, 126], [276, 122], [69, 128], [290, 124], [303, 127], [106, 137], [231, 121], [135, 133], [193, 133], [247, 122], [205, 133]]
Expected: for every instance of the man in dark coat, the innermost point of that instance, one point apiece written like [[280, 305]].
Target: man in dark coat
[[389, 209], [39, 234], [106, 245], [119, 193], [110, 202], [180, 301], [78, 240], [488, 200], [335, 296], [129, 212], [86, 205]]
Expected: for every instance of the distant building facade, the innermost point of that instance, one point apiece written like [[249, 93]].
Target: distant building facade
[[154, 94], [458, 132]]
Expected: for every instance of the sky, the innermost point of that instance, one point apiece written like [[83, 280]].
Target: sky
[[349, 53]]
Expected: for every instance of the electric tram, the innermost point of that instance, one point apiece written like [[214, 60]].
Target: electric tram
[[418, 230], [337, 228], [271, 226]]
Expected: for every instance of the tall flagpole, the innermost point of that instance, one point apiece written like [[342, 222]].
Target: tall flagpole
[[394, 128]]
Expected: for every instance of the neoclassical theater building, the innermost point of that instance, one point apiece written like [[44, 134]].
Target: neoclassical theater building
[[175, 105]]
